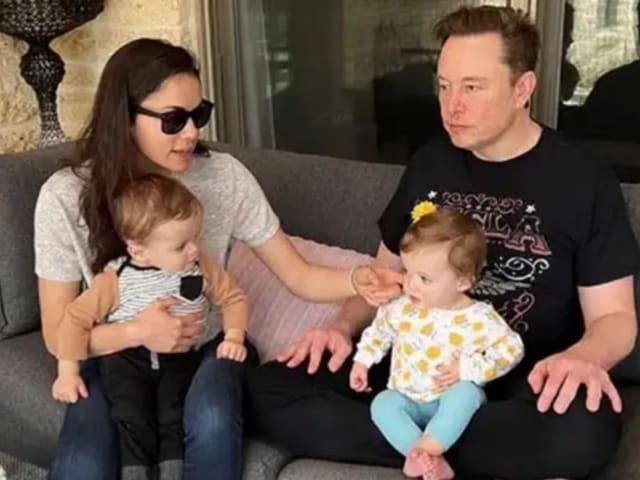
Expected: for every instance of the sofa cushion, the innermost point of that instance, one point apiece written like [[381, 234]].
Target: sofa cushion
[[626, 462], [20, 178], [30, 419], [262, 461], [297, 187], [278, 317], [305, 469]]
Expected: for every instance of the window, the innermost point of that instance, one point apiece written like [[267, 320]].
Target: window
[[355, 78], [600, 71]]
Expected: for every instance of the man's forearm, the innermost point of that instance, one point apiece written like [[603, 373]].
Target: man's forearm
[[355, 315], [608, 340]]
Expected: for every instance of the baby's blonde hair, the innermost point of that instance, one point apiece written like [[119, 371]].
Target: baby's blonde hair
[[468, 246]]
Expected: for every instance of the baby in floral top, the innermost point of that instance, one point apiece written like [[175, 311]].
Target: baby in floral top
[[444, 345]]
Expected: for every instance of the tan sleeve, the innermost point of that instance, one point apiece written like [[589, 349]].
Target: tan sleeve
[[224, 292], [83, 313]]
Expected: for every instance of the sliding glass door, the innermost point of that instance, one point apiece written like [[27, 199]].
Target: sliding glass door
[[355, 78]]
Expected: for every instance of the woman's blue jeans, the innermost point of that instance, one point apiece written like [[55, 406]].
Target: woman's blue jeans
[[213, 423]]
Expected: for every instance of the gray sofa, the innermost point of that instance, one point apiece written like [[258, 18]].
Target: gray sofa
[[329, 200]]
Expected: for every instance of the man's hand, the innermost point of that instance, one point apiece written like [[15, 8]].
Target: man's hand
[[377, 285], [359, 378], [557, 379], [449, 374], [312, 346]]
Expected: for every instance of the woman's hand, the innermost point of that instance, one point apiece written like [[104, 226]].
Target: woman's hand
[[377, 285], [158, 331]]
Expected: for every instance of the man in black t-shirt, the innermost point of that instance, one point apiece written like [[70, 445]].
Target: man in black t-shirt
[[561, 257], [553, 219]]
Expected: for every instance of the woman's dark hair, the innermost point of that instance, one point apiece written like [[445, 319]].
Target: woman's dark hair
[[106, 156]]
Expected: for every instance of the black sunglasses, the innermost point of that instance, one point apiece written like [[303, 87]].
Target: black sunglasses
[[175, 120]]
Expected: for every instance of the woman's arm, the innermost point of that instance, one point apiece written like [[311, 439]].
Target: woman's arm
[[154, 327], [311, 282], [54, 298], [323, 284]]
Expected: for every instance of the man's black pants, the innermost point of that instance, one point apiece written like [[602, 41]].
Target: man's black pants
[[319, 416]]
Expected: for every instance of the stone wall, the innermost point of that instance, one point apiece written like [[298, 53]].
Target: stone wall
[[84, 51], [605, 36]]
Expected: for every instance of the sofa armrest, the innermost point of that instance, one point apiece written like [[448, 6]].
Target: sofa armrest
[[626, 462]]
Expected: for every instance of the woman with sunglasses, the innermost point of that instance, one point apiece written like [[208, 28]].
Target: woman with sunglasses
[[145, 118]]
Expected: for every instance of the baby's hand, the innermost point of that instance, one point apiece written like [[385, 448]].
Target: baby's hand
[[359, 378], [449, 374], [69, 388], [232, 350]]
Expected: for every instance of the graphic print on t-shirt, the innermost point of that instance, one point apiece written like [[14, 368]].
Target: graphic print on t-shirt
[[517, 251]]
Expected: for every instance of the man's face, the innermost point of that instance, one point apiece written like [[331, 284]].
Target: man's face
[[478, 99]]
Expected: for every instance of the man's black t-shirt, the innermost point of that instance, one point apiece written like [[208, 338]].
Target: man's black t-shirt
[[554, 220]]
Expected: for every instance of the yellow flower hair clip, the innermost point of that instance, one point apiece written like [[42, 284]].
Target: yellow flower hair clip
[[422, 209]]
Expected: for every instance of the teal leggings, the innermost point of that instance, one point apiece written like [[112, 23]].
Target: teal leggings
[[403, 421]]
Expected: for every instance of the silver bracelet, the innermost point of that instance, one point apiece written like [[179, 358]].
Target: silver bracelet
[[352, 280]]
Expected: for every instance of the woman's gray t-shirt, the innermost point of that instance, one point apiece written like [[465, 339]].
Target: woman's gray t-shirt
[[235, 208]]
